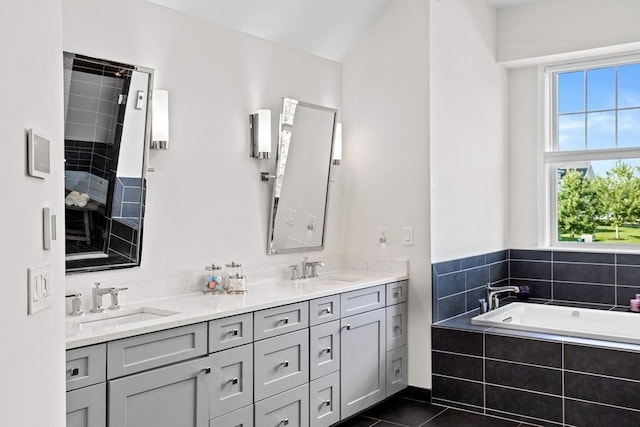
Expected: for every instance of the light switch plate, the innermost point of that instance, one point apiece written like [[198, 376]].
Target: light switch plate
[[407, 236], [39, 288]]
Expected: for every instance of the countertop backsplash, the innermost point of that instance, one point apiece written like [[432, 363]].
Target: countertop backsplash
[[138, 291]]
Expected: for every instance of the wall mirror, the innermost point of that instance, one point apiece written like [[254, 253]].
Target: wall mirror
[[301, 187], [106, 135]]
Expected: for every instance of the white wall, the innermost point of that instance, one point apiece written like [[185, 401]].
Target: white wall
[[31, 347], [467, 132], [544, 28], [526, 40], [205, 202], [386, 156]]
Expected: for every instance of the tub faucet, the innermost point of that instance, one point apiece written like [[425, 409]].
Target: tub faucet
[[493, 294]]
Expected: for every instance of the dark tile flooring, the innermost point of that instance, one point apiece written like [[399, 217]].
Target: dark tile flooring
[[400, 411]]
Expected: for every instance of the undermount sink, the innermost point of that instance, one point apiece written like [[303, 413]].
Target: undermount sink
[[117, 318]]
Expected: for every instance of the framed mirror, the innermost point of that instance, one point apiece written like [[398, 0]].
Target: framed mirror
[[301, 186], [107, 132]]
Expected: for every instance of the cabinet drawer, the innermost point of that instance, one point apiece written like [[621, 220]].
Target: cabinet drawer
[[232, 372], [288, 409], [230, 332], [176, 395], [397, 292], [362, 300], [240, 418], [139, 353], [322, 310], [397, 370], [324, 349], [396, 326], [324, 400], [86, 366], [280, 320], [281, 363], [87, 407]]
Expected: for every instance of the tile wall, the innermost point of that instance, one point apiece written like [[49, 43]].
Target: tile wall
[[597, 280], [543, 381]]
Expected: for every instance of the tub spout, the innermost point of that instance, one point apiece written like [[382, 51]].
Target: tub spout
[[493, 294]]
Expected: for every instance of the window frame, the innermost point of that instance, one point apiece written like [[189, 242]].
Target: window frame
[[550, 156]]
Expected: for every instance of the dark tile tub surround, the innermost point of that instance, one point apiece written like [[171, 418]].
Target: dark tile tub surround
[[538, 379], [591, 279], [458, 284]]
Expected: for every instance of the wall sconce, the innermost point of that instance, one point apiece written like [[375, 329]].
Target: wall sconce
[[160, 120], [337, 145], [260, 129]]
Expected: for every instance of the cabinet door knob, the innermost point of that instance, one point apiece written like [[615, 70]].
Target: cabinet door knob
[[328, 350], [285, 363], [285, 422], [234, 332], [74, 371], [327, 403], [328, 310], [207, 370], [285, 320], [396, 294], [347, 327], [234, 380], [396, 327], [397, 371]]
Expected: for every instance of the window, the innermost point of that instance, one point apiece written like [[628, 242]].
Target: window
[[592, 153]]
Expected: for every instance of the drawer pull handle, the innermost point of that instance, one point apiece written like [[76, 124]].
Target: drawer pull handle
[[396, 294], [285, 320], [328, 350], [74, 371], [285, 364], [327, 403], [234, 380], [285, 422], [207, 370], [347, 327], [234, 332], [327, 310], [397, 371]]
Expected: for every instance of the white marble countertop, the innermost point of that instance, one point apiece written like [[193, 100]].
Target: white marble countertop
[[200, 307]]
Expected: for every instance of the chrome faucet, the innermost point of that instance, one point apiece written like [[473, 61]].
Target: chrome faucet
[[493, 294], [96, 297], [310, 268]]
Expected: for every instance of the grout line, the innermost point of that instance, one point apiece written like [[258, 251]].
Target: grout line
[[436, 415], [563, 390]]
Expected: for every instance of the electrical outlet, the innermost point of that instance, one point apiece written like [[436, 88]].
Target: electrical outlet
[[383, 235], [39, 288]]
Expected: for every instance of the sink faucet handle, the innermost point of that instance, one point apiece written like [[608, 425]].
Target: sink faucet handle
[[294, 271], [115, 294], [76, 304]]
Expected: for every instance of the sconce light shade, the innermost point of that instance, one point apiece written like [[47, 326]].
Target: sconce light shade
[[160, 120], [337, 145], [260, 124]]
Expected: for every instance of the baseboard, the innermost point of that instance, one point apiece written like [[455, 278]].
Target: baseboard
[[417, 393]]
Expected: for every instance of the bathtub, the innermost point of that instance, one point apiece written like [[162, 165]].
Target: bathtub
[[577, 322]]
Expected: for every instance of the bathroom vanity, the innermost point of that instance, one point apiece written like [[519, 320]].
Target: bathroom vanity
[[290, 353]]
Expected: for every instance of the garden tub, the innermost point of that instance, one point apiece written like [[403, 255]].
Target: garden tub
[[570, 321]]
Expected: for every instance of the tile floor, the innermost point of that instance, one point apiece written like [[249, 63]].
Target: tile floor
[[402, 411]]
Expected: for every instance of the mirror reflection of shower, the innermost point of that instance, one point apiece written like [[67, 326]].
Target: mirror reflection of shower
[[105, 128]]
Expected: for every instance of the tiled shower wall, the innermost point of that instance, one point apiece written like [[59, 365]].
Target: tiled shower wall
[[606, 279]]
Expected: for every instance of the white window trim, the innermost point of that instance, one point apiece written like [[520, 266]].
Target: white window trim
[[548, 158]]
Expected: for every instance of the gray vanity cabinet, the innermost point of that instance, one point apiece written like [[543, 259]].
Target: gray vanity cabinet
[[396, 326], [288, 409], [324, 400], [232, 380], [281, 363], [86, 387], [362, 360], [172, 396], [87, 407], [397, 370], [324, 349], [240, 418]]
